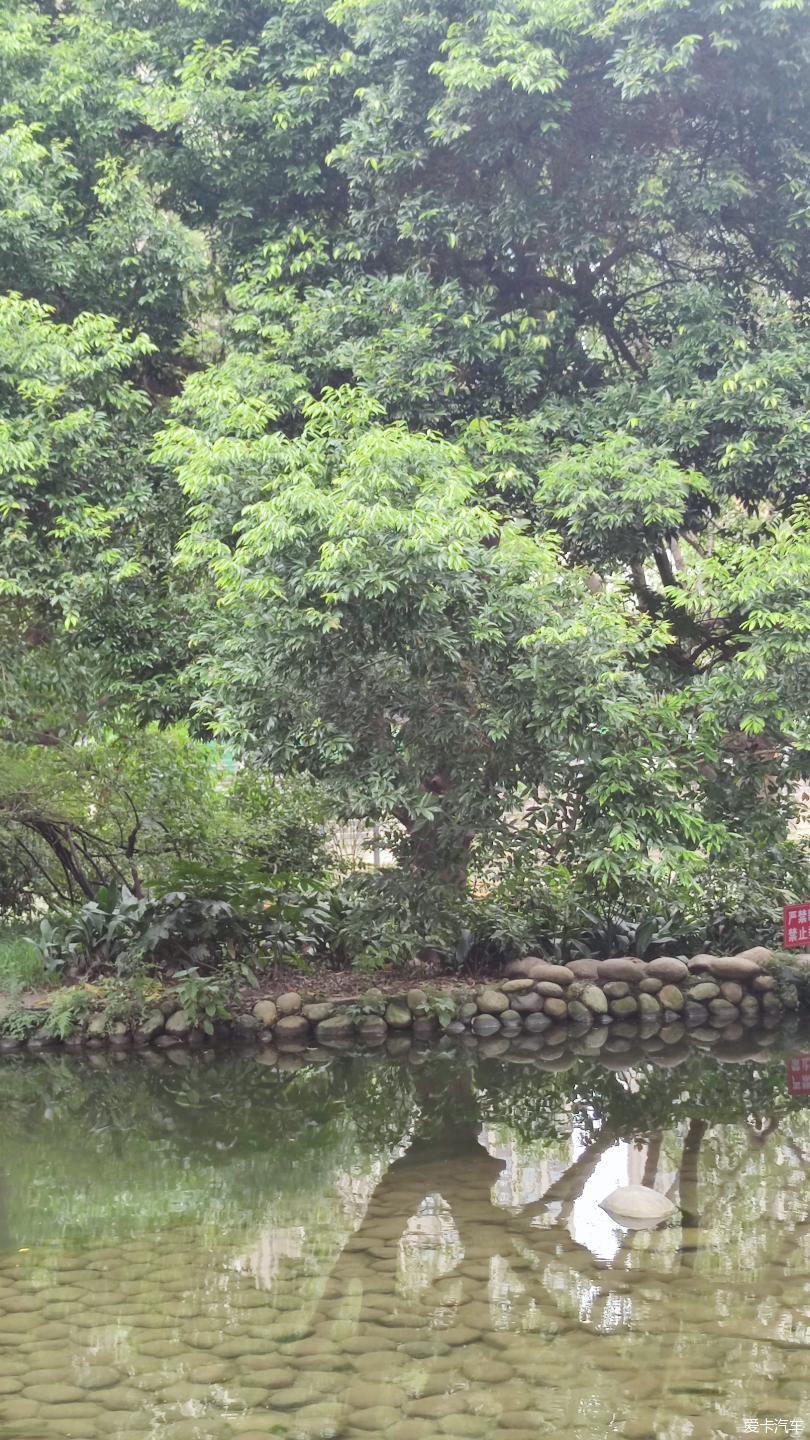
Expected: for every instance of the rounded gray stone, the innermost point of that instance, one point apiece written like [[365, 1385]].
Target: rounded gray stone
[[486, 1025], [265, 1012]]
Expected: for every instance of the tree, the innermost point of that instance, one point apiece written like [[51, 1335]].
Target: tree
[[570, 246], [486, 332], [88, 599]]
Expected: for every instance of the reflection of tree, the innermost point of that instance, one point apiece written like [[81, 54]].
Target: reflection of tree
[[553, 1271], [226, 1124], [212, 1127], [688, 1190]]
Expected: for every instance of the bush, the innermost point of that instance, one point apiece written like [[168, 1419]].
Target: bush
[[386, 919], [227, 918], [20, 963]]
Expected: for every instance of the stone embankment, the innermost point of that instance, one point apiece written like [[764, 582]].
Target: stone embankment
[[706, 997]]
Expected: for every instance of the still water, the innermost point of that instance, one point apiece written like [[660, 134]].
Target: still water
[[198, 1247]]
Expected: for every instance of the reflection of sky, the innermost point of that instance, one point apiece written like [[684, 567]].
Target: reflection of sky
[[430, 1246], [590, 1225], [529, 1172]]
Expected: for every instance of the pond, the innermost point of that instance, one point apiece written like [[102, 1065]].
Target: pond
[[195, 1247]]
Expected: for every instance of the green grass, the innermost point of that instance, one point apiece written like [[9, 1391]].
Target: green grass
[[20, 965]]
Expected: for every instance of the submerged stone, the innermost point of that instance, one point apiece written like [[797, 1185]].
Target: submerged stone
[[638, 1205]]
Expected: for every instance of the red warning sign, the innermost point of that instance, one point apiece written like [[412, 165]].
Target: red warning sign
[[798, 1075], [797, 925]]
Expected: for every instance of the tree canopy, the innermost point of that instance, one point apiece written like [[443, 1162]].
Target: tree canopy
[[416, 398]]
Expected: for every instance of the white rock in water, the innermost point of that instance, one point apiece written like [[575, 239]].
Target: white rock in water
[[637, 1205]]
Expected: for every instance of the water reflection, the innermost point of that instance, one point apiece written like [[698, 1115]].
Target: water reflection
[[415, 1249]]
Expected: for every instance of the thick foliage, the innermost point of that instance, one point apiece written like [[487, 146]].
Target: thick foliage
[[485, 336]]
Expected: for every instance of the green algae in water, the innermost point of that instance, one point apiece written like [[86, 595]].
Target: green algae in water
[[212, 1248]]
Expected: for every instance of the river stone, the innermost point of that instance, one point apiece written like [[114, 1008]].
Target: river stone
[[671, 998], [377, 1419], [627, 1029], [339, 1027], [417, 1001], [486, 1025], [517, 987], [667, 968], [703, 991], [761, 983], [549, 987], [535, 1024], [17, 1407], [624, 968], [398, 1016], [424, 1026], [695, 1014], [491, 1047], [590, 1043], [557, 1009], [528, 1004], [289, 1003], [151, 1025], [97, 1377], [265, 1012], [213, 1372], [291, 1027], [318, 1011], [736, 967], [486, 1372], [732, 991], [97, 1026], [398, 1043], [651, 985], [616, 989], [699, 962], [322, 1421], [434, 1407], [579, 1013], [208, 1428], [55, 1394], [760, 954], [179, 1023], [637, 1204], [584, 969], [626, 1006], [722, 1012], [595, 999], [544, 970], [492, 1002], [373, 999], [648, 1006], [555, 1061], [363, 1394], [770, 1002], [408, 1429]]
